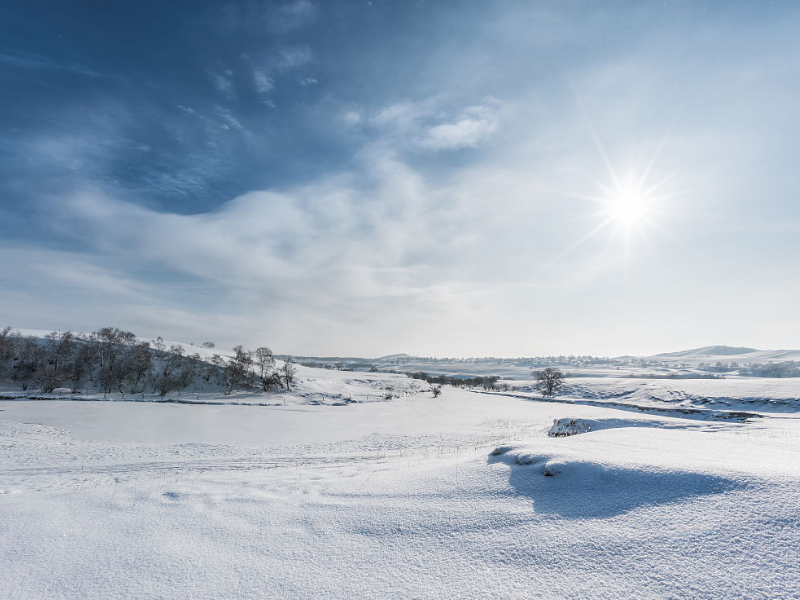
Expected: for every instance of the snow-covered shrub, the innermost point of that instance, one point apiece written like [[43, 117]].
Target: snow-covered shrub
[[564, 427]]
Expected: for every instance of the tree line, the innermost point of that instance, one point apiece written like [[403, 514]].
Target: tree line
[[112, 360], [549, 381], [488, 382]]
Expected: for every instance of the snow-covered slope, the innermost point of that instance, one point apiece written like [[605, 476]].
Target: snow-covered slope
[[726, 354], [762, 392], [310, 386]]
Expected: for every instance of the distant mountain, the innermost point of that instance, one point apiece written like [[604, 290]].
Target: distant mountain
[[710, 351]]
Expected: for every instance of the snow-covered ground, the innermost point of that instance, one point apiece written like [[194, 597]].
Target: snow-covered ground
[[462, 496], [760, 394]]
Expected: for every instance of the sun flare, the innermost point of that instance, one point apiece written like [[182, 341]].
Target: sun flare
[[628, 206]]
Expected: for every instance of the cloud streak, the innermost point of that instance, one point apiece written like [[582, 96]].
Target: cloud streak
[[432, 125], [475, 125]]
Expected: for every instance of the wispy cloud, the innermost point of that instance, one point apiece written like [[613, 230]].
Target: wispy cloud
[[293, 16], [292, 57], [430, 124], [119, 299], [264, 84], [29, 60], [231, 122], [268, 16], [268, 67], [351, 118], [476, 124], [223, 83], [346, 247]]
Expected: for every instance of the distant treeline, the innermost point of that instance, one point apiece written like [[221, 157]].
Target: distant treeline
[[529, 361], [488, 382], [112, 360], [673, 376], [364, 364], [784, 369], [720, 370]]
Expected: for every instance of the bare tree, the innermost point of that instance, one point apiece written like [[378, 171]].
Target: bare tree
[[214, 370], [176, 371], [139, 362], [80, 367], [8, 351], [238, 373], [28, 362], [59, 349], [288, 371], [549, 381], [159, 344], [114, 346], [265, 361], [272, 381], [270, 377]]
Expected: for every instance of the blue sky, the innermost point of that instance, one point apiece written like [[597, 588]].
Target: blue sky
[[438, 178]]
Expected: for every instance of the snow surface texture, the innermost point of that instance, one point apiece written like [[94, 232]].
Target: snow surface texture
[[709, 397], [462, 496]]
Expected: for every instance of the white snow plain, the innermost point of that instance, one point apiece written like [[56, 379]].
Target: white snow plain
[[461, 496]]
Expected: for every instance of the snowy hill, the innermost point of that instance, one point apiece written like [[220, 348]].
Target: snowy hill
[[182, 373], [709, 351], [727, 354], [684, 363]]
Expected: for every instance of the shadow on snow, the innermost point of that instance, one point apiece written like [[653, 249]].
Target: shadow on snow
[[578, 489]]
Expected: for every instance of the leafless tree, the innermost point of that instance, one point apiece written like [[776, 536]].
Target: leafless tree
[[139, 361], [272, 381], [176, 371], [264, 360], [80, 367], [238, 370], [114, 349], [8, 350], [288, 370], [159, 344], [549, 381], [28, 362]]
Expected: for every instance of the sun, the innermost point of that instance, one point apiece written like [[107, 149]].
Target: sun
[[629, 206]]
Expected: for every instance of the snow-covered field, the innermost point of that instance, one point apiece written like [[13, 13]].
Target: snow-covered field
[[760, 394], [461, 496]]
